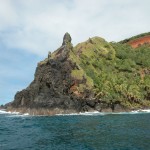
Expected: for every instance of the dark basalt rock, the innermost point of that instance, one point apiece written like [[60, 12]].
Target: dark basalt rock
[[101, 106], [48, 88], [1, 106], [119, 108], [51, 85], [67, 39]]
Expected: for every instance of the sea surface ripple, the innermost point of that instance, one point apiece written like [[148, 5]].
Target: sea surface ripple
[[93, 131]]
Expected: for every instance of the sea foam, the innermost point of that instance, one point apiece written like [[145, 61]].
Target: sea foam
[[96, 113], [13, 113], [82, 113]]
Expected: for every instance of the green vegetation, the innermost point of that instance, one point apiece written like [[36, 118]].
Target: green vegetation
[[78, 74], [115, 72]]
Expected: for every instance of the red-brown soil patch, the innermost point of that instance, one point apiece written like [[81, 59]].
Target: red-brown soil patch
[[74, 89], [140, 41]]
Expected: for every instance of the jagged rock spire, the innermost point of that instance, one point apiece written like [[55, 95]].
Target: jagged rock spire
[[67, 39]]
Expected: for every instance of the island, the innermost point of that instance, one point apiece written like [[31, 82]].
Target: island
[[94, 75]]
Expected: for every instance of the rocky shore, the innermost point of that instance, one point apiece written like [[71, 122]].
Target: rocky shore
[[49, 112]]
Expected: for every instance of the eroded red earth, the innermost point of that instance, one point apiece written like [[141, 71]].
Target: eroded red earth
[[140, 41]]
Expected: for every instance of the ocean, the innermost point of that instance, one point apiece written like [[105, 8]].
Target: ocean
[[86, 131]]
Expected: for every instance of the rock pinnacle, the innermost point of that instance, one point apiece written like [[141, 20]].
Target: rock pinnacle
[[67, 39]]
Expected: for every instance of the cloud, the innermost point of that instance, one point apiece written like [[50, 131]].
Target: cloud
[[38, 26], [31, 28]]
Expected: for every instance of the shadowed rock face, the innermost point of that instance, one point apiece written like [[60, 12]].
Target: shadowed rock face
[[51, 85]]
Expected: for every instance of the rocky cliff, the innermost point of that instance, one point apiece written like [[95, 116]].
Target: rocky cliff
[[94, 75], [54, 89]]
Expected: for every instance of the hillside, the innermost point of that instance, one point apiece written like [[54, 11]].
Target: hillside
[[138, 40], [93, 75]]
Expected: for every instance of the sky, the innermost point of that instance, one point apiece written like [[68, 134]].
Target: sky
[[31, 28]]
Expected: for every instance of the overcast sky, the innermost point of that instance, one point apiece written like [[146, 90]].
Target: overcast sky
[[31, 28]]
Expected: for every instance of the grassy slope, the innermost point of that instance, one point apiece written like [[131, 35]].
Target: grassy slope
[[114, 71]]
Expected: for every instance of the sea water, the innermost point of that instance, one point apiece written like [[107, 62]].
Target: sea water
[[84, 131]]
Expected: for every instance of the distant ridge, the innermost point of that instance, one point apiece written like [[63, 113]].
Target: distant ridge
[[137, 40]]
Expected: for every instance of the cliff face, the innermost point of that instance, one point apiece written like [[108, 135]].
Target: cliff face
[[94, 75], [52, 82], [53, 86]]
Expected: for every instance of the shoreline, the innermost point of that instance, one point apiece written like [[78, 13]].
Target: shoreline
[[60, 112]]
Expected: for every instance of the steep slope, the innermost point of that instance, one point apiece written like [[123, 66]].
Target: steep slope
[[55, 88], [94, 75], [138, 40], [120, 74]]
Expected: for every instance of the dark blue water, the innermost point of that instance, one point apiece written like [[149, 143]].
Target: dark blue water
[[101, 132]]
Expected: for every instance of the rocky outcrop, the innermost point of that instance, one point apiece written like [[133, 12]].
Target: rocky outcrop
[[67, 39], [51, 86]]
